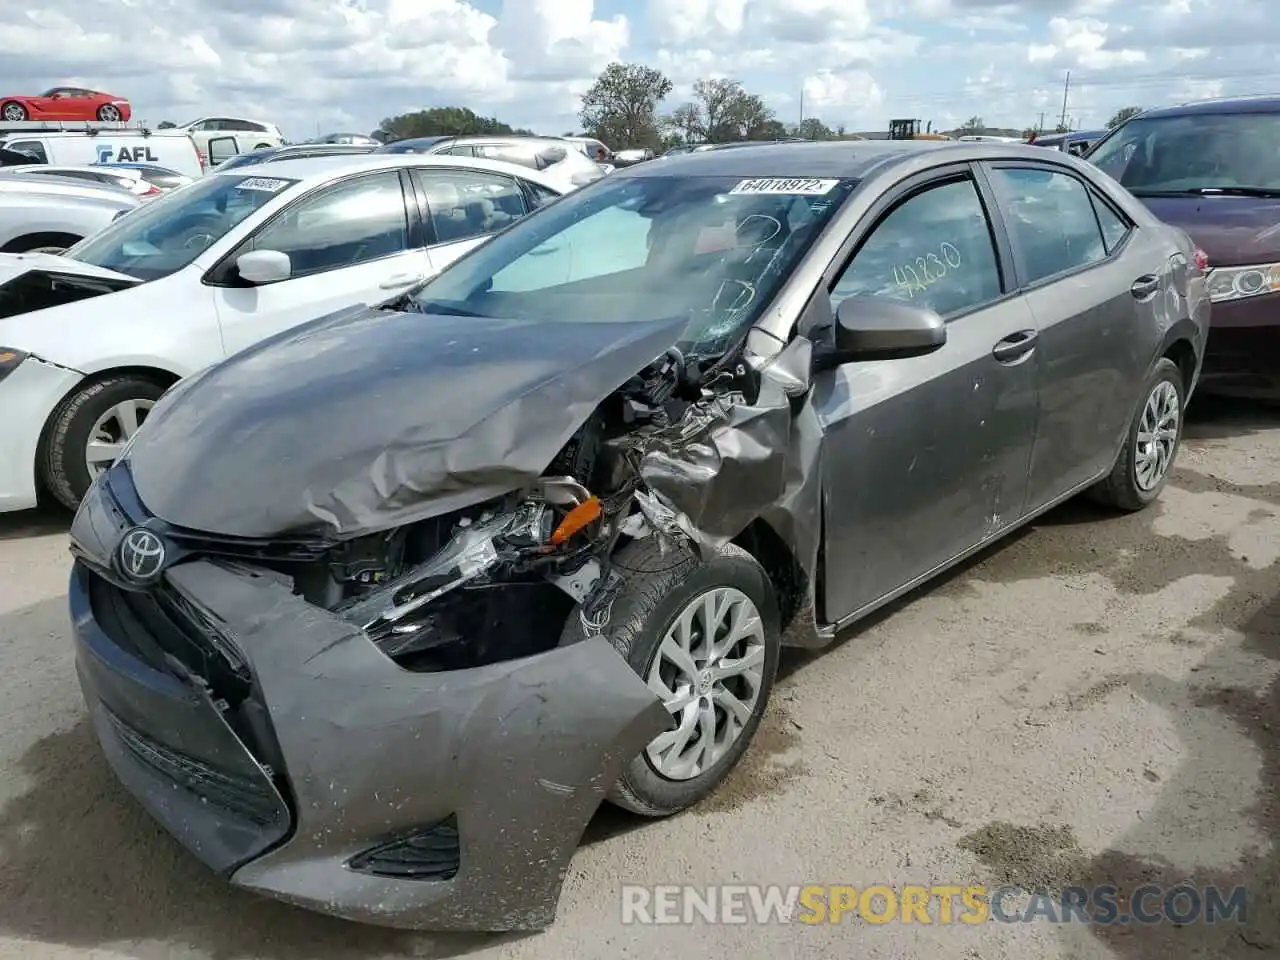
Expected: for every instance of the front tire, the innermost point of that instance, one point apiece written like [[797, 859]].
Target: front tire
[[13, 112], [89, 428], [109, 113], [1149, 452], [705, 637]]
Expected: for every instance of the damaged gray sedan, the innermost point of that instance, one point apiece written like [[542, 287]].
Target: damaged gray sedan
[[373, 615]]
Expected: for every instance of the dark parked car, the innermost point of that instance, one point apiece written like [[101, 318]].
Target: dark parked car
[[1213, 169], [1076, 142], [372, 615]]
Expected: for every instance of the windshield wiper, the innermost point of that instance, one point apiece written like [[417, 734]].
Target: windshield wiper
[[1263, 192]]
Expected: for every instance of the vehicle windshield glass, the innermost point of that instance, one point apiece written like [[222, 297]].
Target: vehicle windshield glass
[[713, 250], [168, 233], [1190, 153]]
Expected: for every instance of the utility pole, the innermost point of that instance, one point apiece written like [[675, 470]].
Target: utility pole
[[1040, 125], [802, 103], [1066, 88]]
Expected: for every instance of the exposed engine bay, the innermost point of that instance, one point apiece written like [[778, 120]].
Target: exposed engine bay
[[498, 580]]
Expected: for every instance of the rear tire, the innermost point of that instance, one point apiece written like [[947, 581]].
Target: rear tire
[[1137, 479], [64, 467], [659, 590], [263, 146], [13, 112]]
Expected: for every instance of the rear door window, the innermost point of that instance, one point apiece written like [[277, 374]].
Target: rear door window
[[1115, 228], [1051, 218], [469, 203]]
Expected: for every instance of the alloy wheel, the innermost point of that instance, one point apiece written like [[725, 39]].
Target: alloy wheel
[[109, 113], [1157, 436], [14, 113], [708, 670], [112, 431]]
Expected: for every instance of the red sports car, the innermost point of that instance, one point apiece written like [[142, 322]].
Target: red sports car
[[65, 103]]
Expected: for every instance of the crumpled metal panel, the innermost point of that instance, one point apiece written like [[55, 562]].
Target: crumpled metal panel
[[522, 752], [735, 460], [369, 419]]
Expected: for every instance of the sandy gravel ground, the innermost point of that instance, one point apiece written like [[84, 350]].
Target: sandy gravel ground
[[1093, 701]]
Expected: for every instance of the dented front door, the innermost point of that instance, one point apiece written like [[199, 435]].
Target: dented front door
[[926, 456]]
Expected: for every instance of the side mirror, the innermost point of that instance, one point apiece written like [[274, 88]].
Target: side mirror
[[264, 266], [875, 328]]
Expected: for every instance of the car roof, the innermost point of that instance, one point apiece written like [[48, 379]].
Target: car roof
[[846, 159], [62, 186], [1262, 103], [318, 170]]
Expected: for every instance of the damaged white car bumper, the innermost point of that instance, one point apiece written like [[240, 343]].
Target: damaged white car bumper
[[30, 389]]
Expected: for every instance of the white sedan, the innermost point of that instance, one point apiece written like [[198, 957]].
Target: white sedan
[[91, 339]]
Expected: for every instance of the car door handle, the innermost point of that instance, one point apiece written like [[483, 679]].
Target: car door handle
[[1145, 286], [1015, 346], [400, 280], [543, 251]]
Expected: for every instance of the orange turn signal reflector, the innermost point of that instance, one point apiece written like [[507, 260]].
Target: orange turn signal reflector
[[587, 512], [7, 356]]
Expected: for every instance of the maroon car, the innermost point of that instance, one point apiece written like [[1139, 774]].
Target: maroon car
[[1213, 169]]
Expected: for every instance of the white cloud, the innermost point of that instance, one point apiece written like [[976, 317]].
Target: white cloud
[[1082, 42], [852, 91], [346, 64]]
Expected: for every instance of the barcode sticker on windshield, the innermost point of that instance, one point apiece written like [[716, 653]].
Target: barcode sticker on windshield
[[804, 187], [267, 184]]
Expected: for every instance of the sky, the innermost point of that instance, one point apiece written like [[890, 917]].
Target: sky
[[320, 66]]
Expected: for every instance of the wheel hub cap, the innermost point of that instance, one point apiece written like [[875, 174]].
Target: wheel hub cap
[[112, 431], [1157, 439], [708, 671]]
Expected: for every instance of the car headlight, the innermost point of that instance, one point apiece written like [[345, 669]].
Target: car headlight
[[1240, 283], [10, 360]]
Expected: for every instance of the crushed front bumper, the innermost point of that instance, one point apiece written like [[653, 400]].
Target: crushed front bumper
[[341, 782]]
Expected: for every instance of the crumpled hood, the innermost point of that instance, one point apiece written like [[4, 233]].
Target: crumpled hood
[[367, 419], [1233, 231], [15, 264]]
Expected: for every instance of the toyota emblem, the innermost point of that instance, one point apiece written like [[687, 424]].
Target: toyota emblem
[[141, 555]]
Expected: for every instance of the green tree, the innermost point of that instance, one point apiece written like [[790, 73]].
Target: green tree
[[1123, 114], [444, 121], [811, 128], [973, 125], [166, 125], [685, 124], [621, 108], [715, 101]]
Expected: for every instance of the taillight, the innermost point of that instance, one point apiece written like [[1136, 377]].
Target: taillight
[[1202, 259], [151, 190], [204, 161]]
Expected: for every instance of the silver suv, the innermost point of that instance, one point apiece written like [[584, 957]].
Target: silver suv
[[47, 213]]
